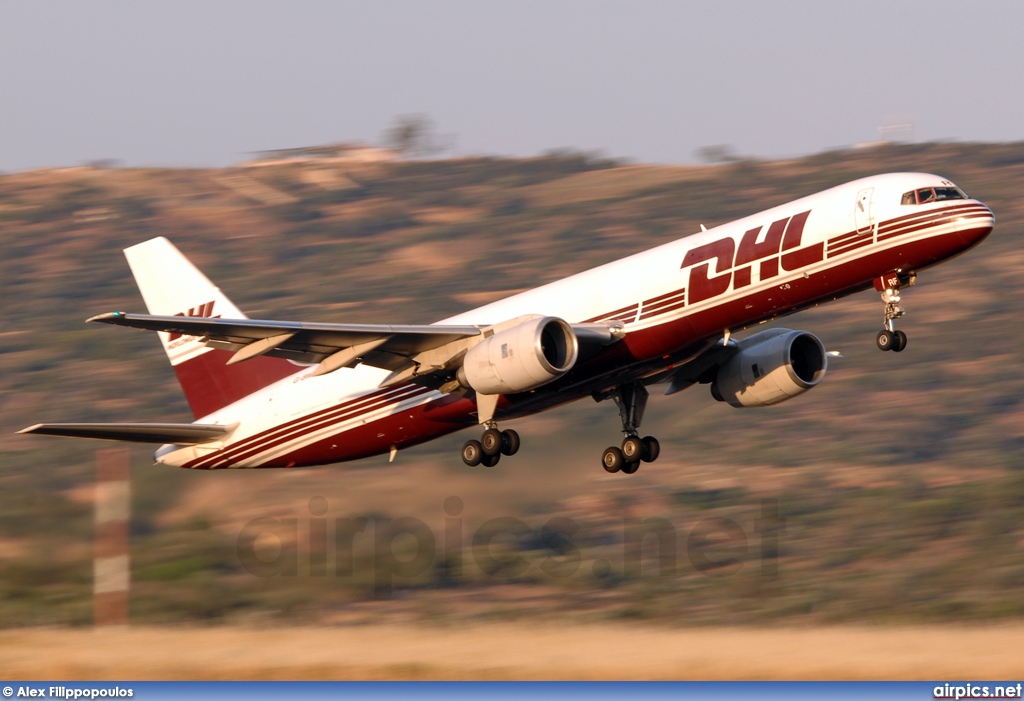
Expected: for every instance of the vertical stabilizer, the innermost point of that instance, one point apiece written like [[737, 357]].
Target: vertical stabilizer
[[172, 286]]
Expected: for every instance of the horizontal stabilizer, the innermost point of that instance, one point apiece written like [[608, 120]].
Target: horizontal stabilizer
[[185, 434]]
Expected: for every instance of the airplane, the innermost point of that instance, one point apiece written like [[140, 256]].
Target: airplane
[[288, 394]]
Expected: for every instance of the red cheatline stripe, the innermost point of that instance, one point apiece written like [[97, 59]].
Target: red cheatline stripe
[[311, 422], [273, 432], [661, 312], [929, 216], [932, 224], [624, 317], [916, 215], [906, 221], [221, 460], [903, 226], [839, 250], [300, 433], [649, 310], [663, 300], [844, 240], [659, 298], [974, 215], [303, 421], [610, 316], [847, 237]]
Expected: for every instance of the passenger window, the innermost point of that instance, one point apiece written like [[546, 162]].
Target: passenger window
[[925, 195], [908, 198]]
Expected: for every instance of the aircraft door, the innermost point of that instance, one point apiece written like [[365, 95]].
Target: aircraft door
[[863, 216]]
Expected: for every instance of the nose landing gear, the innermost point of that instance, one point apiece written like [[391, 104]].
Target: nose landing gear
[[631, 400], [890, 338]]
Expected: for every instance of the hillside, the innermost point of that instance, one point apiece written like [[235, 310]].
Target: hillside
[[901, 477]]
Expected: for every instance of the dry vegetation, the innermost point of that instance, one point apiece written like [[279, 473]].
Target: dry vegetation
[[900, 479]]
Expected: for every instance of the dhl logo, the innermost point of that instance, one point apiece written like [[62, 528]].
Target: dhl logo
[[733, 264], [203, 310]]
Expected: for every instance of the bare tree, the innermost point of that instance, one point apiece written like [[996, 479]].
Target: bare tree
[[717, 153], [412, 135]]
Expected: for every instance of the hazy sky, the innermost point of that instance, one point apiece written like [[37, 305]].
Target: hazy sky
[[202, 83]]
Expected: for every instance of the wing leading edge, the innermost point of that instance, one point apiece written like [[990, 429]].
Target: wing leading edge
[[380, 345], [182, 434]]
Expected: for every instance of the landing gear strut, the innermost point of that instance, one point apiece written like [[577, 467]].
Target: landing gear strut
[[631, 400], [491, 446], [890, 338]]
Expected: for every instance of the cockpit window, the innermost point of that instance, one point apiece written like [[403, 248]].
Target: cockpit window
[[949, 193], [925, 195]]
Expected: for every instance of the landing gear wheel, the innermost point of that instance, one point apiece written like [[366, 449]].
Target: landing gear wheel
[[631, 399], [509, 442], [612, 459], [472, 453], [491, 441], [632, 449], [490, 460], [900, 341], [885, 340], [651, 450]]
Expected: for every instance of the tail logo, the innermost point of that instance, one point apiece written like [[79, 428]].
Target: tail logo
[[202, 311]]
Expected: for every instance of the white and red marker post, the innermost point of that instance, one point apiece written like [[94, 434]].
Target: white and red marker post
[[111, 571]]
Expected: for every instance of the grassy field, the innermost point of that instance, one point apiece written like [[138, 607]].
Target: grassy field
[[538, 652]]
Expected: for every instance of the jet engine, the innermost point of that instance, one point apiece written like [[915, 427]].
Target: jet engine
[[520, 358], [770, 367]]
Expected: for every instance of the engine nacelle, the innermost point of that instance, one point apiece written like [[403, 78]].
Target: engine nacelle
[[771, 367], [521, 358]]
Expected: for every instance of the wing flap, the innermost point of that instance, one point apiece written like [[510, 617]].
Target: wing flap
[[185, 434]]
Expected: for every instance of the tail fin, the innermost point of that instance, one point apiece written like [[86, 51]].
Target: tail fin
[[172, 286]]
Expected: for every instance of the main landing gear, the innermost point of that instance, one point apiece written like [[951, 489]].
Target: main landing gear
[[491, 446], [631, 400], [890, 338]]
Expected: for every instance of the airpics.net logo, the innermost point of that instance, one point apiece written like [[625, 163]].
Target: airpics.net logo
[[978, 691], [391, 552]]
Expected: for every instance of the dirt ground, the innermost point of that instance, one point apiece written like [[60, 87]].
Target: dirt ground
[[514, 651]]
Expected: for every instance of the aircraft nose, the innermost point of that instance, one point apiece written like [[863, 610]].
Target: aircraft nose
[[976, 224]]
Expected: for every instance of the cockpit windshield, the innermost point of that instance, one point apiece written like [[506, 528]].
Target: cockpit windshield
[[927, 195]]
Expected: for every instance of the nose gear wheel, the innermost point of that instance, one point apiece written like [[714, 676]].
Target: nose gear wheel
[[889, 285]]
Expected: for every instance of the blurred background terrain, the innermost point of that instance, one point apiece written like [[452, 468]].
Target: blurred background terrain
[[899, 481]]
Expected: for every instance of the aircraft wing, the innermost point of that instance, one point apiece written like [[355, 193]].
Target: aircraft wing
[[404, 350], [700, 368], [380, 345], [184, 434]]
